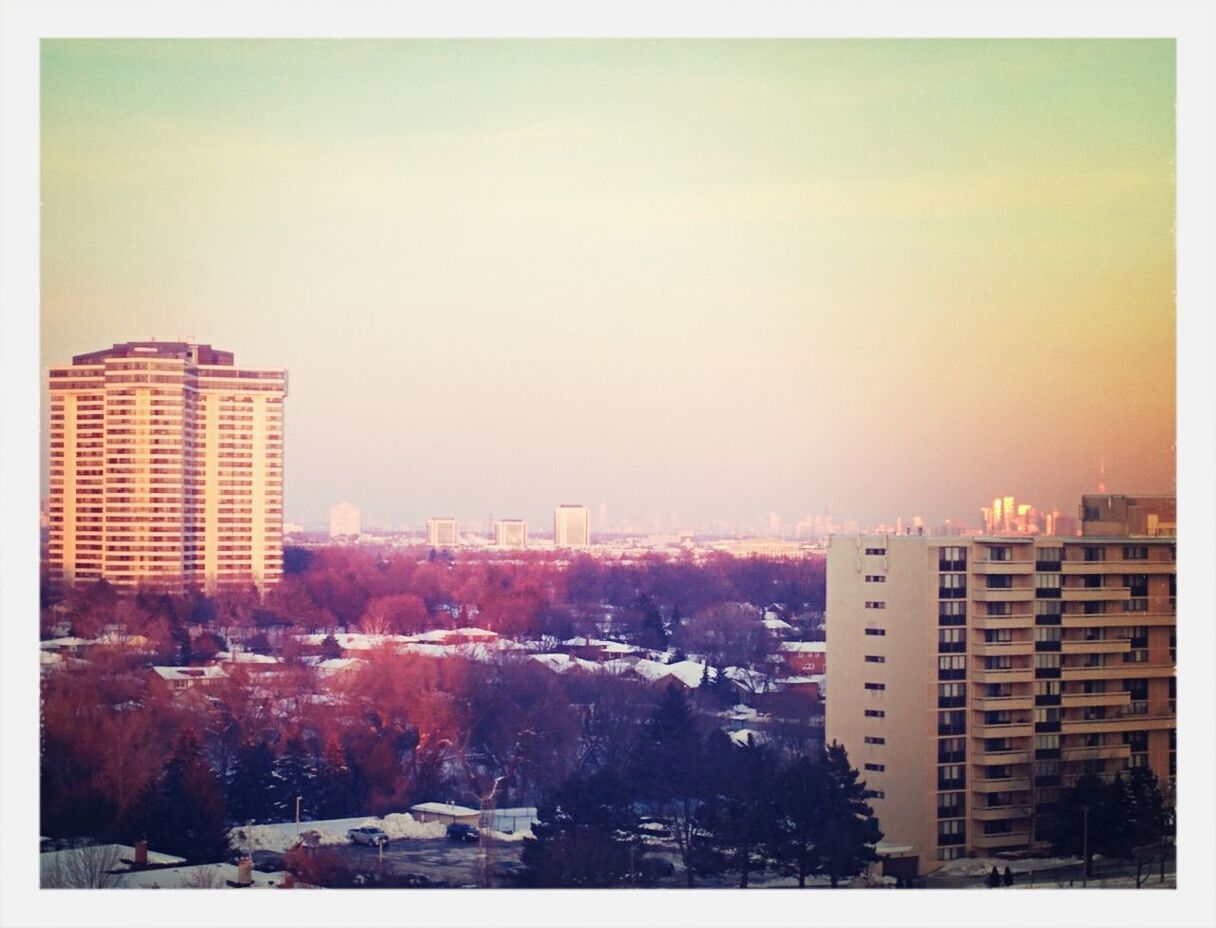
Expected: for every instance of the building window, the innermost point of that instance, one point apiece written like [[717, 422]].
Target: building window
[[951, 776], [952, 667], [951, 750], [875, 659], [998, 608], [874, 604], [1000, 553], [951, 695], [999, 582], [875, 714], [952, 722], [875, 739], [876, 551], [1135, 552], [1094, 553], [876, 686], [952, 613], [951, 805], [875, 578], [951, 640], [952, 557], [876, 768], [879, 632], [952, 586]]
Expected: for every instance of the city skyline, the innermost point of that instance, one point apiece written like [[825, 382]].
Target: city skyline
[[865, 277]]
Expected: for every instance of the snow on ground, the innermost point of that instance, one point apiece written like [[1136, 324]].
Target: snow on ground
[[282, 836], [982, 866]]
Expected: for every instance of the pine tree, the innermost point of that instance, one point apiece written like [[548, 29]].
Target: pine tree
[[293, 780], [668, 772], [848, 832], [250, 783], [741, 817], [801, 793], [1089, 819], [335, 786], [587, 836], [185, 811]]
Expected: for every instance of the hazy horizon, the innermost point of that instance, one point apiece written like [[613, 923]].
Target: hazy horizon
[[714, 278]]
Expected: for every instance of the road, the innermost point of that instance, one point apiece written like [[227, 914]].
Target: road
[[451, 863]]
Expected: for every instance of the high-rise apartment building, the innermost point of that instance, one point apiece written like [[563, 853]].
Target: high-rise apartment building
[[166, 468], [345, 521], [511, 533], [442, 532], [971, 679], [571, 526]]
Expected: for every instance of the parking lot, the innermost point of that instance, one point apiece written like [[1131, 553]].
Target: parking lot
[[440, 860]]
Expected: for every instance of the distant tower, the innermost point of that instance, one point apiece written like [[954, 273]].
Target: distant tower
[[571, 526], [345, 521]]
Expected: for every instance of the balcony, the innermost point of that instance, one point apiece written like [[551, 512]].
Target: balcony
[[1015, 620], [1008, 730], [993, 758], [1016, 594], [998, 703], [1007, 785], [1102, 752], [1002, 648], [1002, 567], [1116, 618], [1013, 839], [1118, 723], [1082, 700], [1014, 675], [1107, 646], [1118, 566], [996, 813], [1093, 594]]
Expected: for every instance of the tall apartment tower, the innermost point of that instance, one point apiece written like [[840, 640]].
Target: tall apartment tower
[[571, 526], [166, 468], [345, 521], [442, 532], [511, 533], [971, 679]]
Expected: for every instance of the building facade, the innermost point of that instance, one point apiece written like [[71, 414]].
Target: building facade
[[972, 679], [442, 532], [166, 468], [345, 521], [571, 526], [511, 533]]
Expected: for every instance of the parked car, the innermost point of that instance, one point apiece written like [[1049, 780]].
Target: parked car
[[459, 831], [369, 835]]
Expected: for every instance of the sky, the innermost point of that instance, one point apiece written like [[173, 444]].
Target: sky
[[709, 278]]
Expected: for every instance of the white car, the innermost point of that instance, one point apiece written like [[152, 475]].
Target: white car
[[369, 835]]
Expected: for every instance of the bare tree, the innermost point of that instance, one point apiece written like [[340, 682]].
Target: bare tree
[[204, 877], [84, 867]]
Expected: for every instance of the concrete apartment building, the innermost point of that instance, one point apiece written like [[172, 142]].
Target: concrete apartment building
[[972, 678], [442, 532], [345, 521], [571, 526], [511, 533], [166, 468]]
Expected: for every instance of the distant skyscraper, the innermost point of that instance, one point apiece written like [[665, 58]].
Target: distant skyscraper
[[166, 468], [511, 533], [344, 521], [442, 532], [571, 526]]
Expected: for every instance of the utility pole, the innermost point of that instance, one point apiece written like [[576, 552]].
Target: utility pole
[[298, 798]]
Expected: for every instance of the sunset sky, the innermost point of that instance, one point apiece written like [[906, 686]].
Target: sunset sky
[[709, 278]]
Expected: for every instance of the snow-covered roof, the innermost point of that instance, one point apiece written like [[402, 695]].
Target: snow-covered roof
[[562, 663], [211, 876], [68, 642], [443, 808], [806, 647], [688, 673], [190, 674], [612, 647], [740, 737], [246, 657], [776, 624], [55, 863], [337, 664], [440, 635], [816, 678]]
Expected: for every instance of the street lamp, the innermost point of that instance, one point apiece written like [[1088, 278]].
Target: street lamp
[[1084, 845], [298, 798]]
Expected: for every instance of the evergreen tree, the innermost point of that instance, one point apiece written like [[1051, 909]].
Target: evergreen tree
[[293, 779], [848, 832], [335, 784], [250, 783], [586, 836], [185, 811], [330, 648], [740, 817], [1089, 819], [801, 792], [668, 771]]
